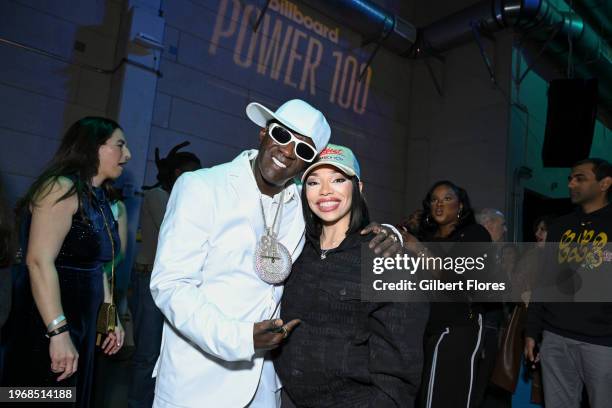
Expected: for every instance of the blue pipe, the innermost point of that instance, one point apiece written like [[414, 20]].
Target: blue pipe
[[373, 22]]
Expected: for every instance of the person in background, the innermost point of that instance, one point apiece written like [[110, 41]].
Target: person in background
[[411, 224], [68, 234], [494, 221], [576, 338], [532, 260], [148, 320], [369, 354], [530, 263], [540, 229], [487, 394], [453, 335], [120, 215]]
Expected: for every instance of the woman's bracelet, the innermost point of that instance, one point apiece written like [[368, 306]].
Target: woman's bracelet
[[57, 331], [55, 322]]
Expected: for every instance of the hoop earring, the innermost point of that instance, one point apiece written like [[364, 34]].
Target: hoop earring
[[459, 214], [427, 220]]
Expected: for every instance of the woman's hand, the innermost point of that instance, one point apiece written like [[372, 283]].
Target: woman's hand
[[114, 341], [64, 356]]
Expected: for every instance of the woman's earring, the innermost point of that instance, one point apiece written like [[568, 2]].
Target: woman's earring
[[459, 214], [427, 220]]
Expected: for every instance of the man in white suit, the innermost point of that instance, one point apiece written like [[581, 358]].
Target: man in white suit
[[221, 317]]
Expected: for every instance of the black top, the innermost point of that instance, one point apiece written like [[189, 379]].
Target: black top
[[588, 322], [347, 352], [445, 314]]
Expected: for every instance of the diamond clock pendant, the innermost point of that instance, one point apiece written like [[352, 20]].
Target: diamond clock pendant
[[269, 247], [272, 261]]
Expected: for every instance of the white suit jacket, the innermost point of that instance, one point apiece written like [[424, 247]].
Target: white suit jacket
[[204, 283]]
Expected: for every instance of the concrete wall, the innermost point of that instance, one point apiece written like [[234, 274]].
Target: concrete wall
[[41, 96], [212, 68], [405, 135], [462, 134]]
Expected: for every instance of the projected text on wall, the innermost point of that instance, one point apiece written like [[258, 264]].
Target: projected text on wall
[[290, 47]]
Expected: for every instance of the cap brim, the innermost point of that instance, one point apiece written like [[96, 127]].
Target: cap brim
[[345, 169], [260, 115]]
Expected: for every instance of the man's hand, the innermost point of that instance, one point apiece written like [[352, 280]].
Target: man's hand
[[269, 334], [384, 242], [530, 354], [411, 243]]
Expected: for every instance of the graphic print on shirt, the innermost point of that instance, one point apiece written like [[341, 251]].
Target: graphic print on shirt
[[587, 247]]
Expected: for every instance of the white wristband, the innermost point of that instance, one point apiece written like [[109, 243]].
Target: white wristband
[[396, 232], [55, 322]]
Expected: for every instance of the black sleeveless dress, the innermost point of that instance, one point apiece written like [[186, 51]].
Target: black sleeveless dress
[[79, 265]]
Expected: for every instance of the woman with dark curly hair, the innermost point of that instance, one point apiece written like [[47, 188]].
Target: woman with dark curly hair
[[67, 234], [454, 331]]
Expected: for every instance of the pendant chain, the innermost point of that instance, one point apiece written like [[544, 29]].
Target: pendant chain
[[270, 231]]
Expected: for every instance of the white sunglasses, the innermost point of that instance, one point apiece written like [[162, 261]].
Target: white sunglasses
[[284, 136]]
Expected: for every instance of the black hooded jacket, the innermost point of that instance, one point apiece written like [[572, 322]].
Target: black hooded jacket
[[584, 321]]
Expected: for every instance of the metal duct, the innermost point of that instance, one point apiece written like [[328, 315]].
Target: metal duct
[[540, 18], [495, 15], [597, 12], [370, 20]]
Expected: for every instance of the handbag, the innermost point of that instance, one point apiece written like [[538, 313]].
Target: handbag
[[107, 314], [508, 363], [537, 393]]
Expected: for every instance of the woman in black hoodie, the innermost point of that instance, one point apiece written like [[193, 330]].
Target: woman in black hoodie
[[345, 353]]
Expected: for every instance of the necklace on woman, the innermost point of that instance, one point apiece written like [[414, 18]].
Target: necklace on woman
[[325, 251]]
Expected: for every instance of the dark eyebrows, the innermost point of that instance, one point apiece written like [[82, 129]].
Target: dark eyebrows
[[314, 173], [447, 195], [576, 175]]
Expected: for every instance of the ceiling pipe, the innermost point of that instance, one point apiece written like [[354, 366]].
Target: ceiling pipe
[[597, 12], [540, 20], [374, 23]]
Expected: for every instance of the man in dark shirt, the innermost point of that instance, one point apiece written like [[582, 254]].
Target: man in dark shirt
[[576, 338]]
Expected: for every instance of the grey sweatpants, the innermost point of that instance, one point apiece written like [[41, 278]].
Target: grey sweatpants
[[568, 365]]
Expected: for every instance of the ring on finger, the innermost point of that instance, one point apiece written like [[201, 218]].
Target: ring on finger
[[284, 331], [384, 231], [393, 237]]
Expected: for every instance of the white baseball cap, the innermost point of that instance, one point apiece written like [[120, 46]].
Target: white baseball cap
[[298, 116]]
